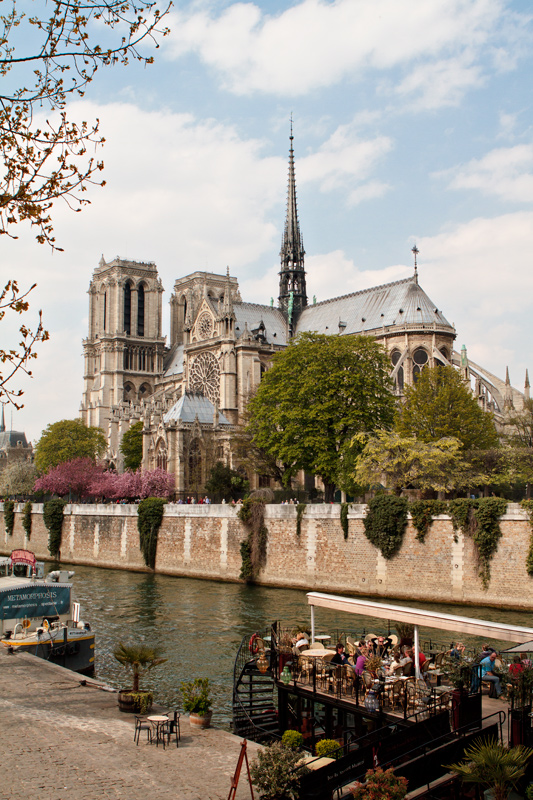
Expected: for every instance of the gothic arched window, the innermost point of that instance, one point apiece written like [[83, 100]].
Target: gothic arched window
[[420, 360], [395, 357], [140, 310], [127, 308]]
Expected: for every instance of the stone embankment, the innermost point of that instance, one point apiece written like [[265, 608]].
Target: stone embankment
[[204, 541], [62, 740]]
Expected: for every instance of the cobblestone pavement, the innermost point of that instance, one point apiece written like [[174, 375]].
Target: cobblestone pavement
[[60, 740]]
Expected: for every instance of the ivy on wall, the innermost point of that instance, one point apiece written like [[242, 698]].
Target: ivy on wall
[[300, 511], [26, 518], [253, 548], [345, 507], [422, 513], [149, 518], [385, 523], [53, 519], [480, 519], [528, 505], [9, 516]]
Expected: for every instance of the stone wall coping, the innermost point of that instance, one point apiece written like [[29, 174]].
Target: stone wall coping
[[228, 511]]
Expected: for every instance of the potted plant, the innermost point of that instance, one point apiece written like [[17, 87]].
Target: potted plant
[[380, 783], [196, 700], [277, 772], [493, 766], [140, 659]]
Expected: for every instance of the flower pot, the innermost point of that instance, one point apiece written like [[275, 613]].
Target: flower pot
[[200, 720], [128, 701]]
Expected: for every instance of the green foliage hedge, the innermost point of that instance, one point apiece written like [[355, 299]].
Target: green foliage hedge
[[345, 507], [26, 518], [9, 516], [53, 519], [422, 513], [149, 517], [385, 523]]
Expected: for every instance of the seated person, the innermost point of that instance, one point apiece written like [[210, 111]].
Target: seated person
[[525, 660], [381, 645], [361, 661], [457, 651], [340, 656], [395, 663], [487, 665], [486, 651], [301, 642], [516, 668]]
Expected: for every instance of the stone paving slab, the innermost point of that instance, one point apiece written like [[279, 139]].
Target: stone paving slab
[[60, 740]]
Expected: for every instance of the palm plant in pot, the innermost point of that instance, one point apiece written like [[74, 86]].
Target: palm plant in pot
[[196, 700], [140, 659]]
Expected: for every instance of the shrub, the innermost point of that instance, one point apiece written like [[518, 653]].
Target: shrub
[[253, 548], [26, 518], [9, 516], [292, 739], [53, 520], [149, 517], [385, 523], [277, 772], [381, 785], [195, 695], [328, 748]]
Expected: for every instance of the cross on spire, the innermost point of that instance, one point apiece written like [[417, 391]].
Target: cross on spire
[[415, 251]]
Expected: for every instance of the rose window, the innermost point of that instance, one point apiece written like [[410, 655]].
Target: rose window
[[204, 377], [205, 326]]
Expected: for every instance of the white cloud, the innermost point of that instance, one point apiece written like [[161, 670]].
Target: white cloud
[[479, 274], [505, 172], [316, 44]]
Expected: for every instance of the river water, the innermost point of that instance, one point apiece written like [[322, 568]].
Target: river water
[[200, 624]]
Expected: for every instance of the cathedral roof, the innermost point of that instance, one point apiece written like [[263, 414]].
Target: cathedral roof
[[252, 314], [12, 439], [173, 364], [190, 406], [399, 303]]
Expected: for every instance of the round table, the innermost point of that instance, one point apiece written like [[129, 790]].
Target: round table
[[158, 723], [322, 638], [315, 652]]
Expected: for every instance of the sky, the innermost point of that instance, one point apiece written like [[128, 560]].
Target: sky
[[412, 123]]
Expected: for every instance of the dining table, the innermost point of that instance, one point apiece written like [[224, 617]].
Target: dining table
[[158, 722]]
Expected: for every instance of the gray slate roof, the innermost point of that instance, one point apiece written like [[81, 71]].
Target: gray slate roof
[[10, 439], [190, 406], [400, 303], [252, 314], [174, 361]]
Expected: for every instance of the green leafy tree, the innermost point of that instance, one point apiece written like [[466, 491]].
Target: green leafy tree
[[277, 772], [18, 477], [46, 58], [226, 482], [402, 461], [131, 447], [319, 393], [66, 440], [440, 406]]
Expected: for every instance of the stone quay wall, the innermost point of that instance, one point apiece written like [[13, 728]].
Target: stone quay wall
[[203, 541]]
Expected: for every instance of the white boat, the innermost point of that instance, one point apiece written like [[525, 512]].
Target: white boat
[[38, 616]]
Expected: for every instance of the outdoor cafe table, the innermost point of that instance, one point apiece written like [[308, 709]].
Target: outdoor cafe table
[[323, 637], [158, 723], [315, 652]]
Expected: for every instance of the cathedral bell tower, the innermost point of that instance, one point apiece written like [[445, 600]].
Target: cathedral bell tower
[[124, 349], [292, 289]]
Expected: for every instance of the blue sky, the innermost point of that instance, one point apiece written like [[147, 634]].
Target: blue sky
[[413, 123]]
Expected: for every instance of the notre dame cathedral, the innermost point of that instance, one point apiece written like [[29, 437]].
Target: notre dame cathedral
[[191, 392]]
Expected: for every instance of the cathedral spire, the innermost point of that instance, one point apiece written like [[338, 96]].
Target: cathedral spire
[[292, 288], [526, 386]]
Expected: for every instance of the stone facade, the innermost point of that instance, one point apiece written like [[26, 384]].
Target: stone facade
[[204, 542]]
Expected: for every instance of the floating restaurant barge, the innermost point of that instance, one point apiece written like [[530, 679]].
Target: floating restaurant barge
[[415, 723], [38, 615]]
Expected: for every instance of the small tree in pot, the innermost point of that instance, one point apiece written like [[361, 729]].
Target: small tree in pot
[[140, 659], [196, 700]]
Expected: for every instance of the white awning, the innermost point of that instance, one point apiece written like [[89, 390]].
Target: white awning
[[526, 647], [421, 617]]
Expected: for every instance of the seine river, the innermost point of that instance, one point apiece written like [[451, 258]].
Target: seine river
[[200, 624]]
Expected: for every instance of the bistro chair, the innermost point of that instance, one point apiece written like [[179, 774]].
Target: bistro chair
[[172, 728], [142, 724]]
